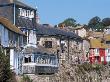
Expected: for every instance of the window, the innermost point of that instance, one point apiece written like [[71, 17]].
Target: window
[[10, 35], [107, 42], [108, 50], [38, 38], [48, 44], [62, 51], [21, 40], [27, 59], [62, 47], [97, 50], [97, 57]]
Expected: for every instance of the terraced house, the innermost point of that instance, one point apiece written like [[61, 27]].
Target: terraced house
[[11, 39], [23, 17], [99, 48]]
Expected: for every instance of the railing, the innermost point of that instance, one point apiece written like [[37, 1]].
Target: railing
[[28, 69], [46, 70], [39, 69]]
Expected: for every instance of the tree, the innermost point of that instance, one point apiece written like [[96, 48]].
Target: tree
[[93, 22], [96, 24], [106, 21], [26, 78], [68, 22], [5, 72], [99, 27]]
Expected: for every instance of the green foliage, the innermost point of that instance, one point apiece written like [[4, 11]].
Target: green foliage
[[5, 72], [26, 78], [95, 20], [87, 67], [106, 21], [97, 67], [97, 24], [69, 22], [109, 63]]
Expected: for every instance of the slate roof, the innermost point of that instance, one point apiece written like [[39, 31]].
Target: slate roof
[[24, 22], [9, 25], [51, 31]]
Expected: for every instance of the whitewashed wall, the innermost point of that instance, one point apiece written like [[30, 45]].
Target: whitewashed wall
[[82, 32], [32, 38]]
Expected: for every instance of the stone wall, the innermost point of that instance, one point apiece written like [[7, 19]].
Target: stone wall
[[84, 73], [77, 73]]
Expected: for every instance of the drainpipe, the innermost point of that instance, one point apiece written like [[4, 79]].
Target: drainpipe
[[14, 14], [59, 52], [68, 51], [27, 36]]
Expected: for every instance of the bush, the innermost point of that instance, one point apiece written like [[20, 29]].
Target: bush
[[26, 78], [5, 72]]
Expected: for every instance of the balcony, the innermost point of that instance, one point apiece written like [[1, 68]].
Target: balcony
[[33, 68], [37, 61]]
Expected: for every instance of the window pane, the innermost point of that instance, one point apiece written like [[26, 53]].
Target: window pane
[[48, 44], [25, 60]]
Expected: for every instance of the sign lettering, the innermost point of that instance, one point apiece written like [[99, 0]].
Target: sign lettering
[[26, 13]]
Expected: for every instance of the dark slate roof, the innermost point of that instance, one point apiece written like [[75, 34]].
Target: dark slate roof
[[50, 31], [24, 22], [46, 30]]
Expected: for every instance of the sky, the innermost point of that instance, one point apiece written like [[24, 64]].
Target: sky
[[55, 11]]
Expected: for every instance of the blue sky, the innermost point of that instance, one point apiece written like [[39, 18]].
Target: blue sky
[[55, 11]]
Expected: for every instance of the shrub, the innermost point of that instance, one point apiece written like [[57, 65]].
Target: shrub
[[26, 78], [5, 72]]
